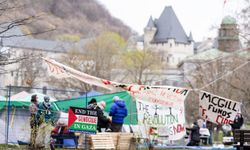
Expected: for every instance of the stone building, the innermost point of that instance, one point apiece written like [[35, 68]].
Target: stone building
[[228, 37], [166, 36], [33, 68]]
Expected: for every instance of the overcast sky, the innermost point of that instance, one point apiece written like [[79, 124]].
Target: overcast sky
[[197, 16]]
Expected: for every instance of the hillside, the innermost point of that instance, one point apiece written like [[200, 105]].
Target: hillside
[[82, 18]]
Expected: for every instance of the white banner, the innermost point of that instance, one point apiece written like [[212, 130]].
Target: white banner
[[59, 70], [218, 109], [162, 109], [157, 106]]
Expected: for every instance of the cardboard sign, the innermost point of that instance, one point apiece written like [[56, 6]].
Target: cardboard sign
[[82, 120], [218, 109]]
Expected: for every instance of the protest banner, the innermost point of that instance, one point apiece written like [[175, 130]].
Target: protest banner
[[82, 120], [163, 109], [218, 109]]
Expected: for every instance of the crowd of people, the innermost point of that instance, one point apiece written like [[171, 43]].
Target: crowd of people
[[117, 113], [42, 119]]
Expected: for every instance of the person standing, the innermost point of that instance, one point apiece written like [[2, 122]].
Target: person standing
[[45, 115], [238, 121], [103, 121], [92, 104], [33, 108], [118, 112], [210, 127], [195, 135]]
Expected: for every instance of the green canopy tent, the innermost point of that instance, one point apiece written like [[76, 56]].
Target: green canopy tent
[[18, 114], [64, 105], [24, 101]]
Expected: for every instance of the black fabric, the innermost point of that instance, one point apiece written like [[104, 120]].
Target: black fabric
[[103, 121], [238, 122], [195, 135]]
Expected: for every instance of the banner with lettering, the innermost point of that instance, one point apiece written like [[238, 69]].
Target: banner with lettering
[[59, 70], [82, 120], [218, 109], [162, 108]]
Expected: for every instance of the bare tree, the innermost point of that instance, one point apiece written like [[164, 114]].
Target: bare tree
[[224, 76], [244, 19], [8, 23], [31, 70], [141, 66], [97, 58]]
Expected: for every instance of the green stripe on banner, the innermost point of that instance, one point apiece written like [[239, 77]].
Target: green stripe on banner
[[83, 127]]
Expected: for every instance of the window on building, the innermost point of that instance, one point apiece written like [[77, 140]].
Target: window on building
[[173, 59], [170, 45]]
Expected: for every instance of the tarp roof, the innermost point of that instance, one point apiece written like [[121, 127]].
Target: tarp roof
[[2, 98], [91, 93], [21, 102], [20, 95]]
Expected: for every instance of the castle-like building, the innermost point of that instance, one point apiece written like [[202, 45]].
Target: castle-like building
[[167, 36]]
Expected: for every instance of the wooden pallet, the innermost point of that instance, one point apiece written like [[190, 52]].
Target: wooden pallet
[[124, 141], [102, 141]]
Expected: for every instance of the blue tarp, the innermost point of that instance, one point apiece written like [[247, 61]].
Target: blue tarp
[[91, 93]]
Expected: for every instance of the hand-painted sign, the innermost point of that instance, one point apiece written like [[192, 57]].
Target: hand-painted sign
[[163, 109], [82, 120], [218, 109]]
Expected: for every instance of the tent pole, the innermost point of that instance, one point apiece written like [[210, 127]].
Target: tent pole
[[8, 117], [131, 108], [86, 99]]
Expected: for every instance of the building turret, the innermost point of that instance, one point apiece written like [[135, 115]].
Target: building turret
[[149, 31], [228, 38]]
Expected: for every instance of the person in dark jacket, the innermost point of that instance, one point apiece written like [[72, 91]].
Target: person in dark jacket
[[238, 121], [118, 112], [92, 104], [195, 135], [103, 121]]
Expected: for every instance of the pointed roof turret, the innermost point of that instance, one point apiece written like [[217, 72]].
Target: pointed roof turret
[[190, 37], [169, 27], [150, 23]]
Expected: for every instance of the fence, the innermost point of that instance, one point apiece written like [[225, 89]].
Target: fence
[[15, 115]]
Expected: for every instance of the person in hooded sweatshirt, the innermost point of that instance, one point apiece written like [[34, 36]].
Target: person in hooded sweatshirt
[[118, 112]]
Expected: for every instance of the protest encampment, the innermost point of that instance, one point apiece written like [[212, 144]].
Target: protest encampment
[[125, 75]]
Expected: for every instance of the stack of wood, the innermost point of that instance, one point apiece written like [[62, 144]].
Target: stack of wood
[[111, 140]]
